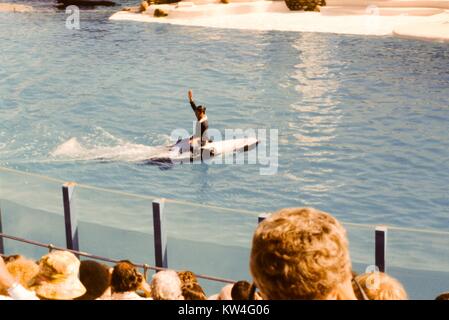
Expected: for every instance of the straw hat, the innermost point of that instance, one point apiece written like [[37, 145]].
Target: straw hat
[[58, 277]]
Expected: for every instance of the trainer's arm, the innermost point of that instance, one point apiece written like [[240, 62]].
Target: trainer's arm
[[192, 103]]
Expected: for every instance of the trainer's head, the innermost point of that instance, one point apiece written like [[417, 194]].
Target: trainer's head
[[301, 253], [200, 112]]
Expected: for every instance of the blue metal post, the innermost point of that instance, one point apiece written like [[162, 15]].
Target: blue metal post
[[71, 223], [160, 235], [262, 217], [2, 245], [381, 247]]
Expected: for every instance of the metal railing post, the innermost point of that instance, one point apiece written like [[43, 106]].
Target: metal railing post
[[2, 244], [160, 235], [262, 217], [71, 223], [381, 247]]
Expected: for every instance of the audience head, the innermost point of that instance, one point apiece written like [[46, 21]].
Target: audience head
[[190, 287], [58, 277], [95, 277], [12, 257], [23, 270], [241, 290], [166, 285], [301, 253], [443, 296], [125, 277], [187, 276], [379, 286], [193, 291]]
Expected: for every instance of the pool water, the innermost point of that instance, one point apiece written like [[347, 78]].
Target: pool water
[[362, 121]]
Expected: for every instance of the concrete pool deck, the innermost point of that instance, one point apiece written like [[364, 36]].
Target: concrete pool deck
[[432, 31], [423, 20]]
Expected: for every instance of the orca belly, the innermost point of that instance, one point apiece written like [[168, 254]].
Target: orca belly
[[231, 146]]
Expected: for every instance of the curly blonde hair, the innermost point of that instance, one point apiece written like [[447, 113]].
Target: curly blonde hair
[[22, 270], [190, 287], [380, 286], [299, 253]]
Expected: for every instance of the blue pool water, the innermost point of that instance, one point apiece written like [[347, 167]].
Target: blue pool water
[[363, 121]]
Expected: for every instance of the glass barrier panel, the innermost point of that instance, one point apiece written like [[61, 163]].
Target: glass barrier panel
[[361, 245], [209, 240], [114, 224], [31, 190], [31, 208], [113, 209], [204, 239], [419, 260]]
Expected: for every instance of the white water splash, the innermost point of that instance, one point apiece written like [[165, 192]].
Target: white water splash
[[72, 149]]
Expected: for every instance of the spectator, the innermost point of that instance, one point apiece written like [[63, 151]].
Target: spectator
[[23, 270], [241, 290], [443, 296], [125, 281], [166, 285], [379, 286], [301, 253], [225, 293], [14, 289], [254, 295], [58, 277], [190, 287], [96, 278], [11, 258]]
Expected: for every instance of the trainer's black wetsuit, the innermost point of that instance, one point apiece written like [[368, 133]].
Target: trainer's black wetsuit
[[201, 125]]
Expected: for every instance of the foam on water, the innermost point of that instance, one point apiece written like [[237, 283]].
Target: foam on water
[[129, 152], [122, 150]]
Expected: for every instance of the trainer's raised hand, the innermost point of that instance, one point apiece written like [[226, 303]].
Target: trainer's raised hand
[[190, 95]]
